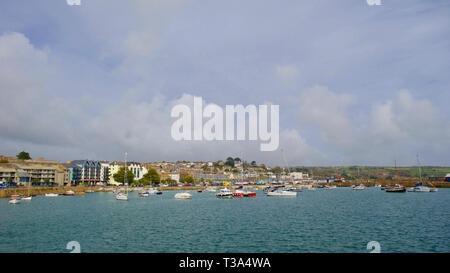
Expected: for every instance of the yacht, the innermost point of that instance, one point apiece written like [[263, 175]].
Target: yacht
[[51, 195], [183, 195], [14, 201], [281, 192], [123, 196], [395, 188], [421, 188], [359, 187], [224, 193]]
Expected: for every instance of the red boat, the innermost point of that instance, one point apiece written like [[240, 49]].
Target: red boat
[[240, 193]]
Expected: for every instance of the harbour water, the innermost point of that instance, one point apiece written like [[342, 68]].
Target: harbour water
[[339, 220]]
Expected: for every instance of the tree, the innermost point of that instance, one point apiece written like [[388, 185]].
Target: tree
[[188, 180], [151, 177], [119, 176], [253, 163], [229, 162], [237, 159], [23, 155]]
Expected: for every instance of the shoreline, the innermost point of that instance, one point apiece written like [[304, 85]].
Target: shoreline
[[5, 193]]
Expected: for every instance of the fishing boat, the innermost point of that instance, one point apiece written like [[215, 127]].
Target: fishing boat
[[395, 188], [51, 195], [69, 193], [14, 201], [282, 193], [224, 193], [123, 196], [183, 195], [359, 187]]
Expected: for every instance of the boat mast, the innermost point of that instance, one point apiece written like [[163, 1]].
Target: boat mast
[[420, 168], [125, 175]]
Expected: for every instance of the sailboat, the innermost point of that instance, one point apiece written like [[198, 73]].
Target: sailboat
[[123, 196], [419, 186], [28, 197]]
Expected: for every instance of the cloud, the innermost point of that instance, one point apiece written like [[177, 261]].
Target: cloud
[[396, 128], [287, 73]]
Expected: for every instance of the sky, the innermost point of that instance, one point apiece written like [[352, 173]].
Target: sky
[[356, 84]]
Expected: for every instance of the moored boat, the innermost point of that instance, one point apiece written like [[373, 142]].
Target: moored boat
[[14, 201], [51, 195], [69, 193], [224, 193], [395, 188], [282, 193], [26, 198], [183, 195], [359, 187]]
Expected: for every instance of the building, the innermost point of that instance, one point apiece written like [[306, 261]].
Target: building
[[84, 171], [37, 170], [137, 169]]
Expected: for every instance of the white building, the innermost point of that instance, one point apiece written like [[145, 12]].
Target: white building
[[135, 168]]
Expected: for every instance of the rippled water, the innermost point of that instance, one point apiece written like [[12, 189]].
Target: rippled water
[[340, 220]]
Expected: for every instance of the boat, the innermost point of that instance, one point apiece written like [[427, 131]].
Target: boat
[[330, 187], [224, 193], [143, 194], [28, 197], [14, 201], [15, 196], [209, 189], [377, 186], [51, 194], [183, 195], [123, 196], [359, 187], [89, 191], [69, 193], [395, 188], [80, 193], [282, 193], [432, 189], [410, 189], [421, 189]]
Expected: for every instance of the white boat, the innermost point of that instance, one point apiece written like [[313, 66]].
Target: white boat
[[410, 189], [210, 189], [282, 193], [183, 195], [51, 195], [123, 196], [330, 187], [359, 187], [433, 189], [14, 201], [377, 186], [26, 198], [225, 192], [421, 189]]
